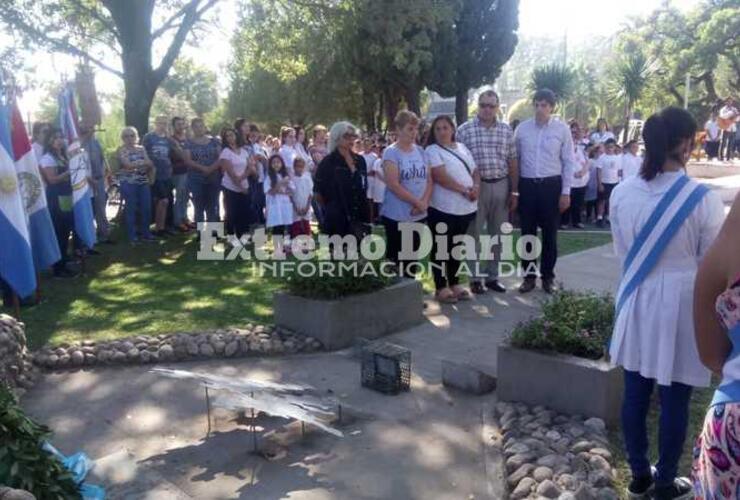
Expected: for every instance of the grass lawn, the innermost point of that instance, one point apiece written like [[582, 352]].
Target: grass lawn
[[161, 288]]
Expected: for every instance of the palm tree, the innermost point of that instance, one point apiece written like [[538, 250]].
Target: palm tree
[[556, 77], [628, 78]]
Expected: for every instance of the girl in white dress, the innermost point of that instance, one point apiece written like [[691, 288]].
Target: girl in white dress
[[278, 188], [653, 335]]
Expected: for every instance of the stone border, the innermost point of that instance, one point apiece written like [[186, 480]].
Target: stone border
[[16, 368], [143, 349], [551, 455]]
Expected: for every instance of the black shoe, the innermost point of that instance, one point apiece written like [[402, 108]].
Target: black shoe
[[495, 286], [64, 273], [107, 241], [478, 288], [641, 488], [549, 286], [681, 489], [578, 226], [600, 223], [92, 251], [527, 285]]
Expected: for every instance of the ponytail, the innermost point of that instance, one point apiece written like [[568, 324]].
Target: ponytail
[[663, 132]]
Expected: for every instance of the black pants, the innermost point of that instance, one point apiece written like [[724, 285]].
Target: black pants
[[444, 271], [238, 212], [712, 149], [590, 209], [727, 146], [63, 226], [539, 201], [393, 245], [572, 216]]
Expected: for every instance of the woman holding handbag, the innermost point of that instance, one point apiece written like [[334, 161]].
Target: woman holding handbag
[[453, 205]]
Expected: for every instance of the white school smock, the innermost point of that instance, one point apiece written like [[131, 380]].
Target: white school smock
[[278, 207], [654, 334]]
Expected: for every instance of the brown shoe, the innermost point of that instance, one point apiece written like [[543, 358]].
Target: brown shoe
[[549, 286], [527, 285], [478, 288]]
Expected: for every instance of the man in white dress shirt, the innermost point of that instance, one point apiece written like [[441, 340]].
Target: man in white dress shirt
[[546, 163]]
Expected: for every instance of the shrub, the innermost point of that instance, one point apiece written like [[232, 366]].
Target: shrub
[[575, 323], [23, 463], [329, 286]]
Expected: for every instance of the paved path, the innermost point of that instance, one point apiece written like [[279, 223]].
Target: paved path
[[148, 433]]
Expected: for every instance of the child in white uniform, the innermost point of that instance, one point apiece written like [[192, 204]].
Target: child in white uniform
[[278, 188], [301, 199]]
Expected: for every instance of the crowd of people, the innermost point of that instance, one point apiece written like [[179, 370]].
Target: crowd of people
[[722, 131], [471, 179]]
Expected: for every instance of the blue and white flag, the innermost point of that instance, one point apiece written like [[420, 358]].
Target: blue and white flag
[[44, 243], [79, 168], [16, 259]]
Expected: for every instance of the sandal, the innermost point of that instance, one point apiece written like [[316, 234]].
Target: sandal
[[445, 296], [461, 293]]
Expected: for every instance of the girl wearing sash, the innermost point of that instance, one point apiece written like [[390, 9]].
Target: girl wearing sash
[[662, 224], [716, 467]]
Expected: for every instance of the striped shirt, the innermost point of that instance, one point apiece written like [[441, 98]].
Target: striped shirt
[[492, 147]]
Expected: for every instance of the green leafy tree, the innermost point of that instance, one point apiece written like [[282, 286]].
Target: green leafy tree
[[99, 31], [193, 83], [556, 77], [629, 77], [472, 47]]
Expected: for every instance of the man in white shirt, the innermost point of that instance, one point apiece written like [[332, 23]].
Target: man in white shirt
[[714, 134], [546, 163], [729, 115]]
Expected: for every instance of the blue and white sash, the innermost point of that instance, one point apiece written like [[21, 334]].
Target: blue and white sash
[[652, 240]]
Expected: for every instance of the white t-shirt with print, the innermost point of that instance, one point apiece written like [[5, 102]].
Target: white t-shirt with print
[[378, 184], [609, 166], [443, 199], [581, 160], [369, 162]]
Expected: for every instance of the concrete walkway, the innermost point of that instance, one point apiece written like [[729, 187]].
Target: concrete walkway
[[149, 433]]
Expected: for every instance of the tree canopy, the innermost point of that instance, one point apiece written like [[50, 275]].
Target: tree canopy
[[99, 31]]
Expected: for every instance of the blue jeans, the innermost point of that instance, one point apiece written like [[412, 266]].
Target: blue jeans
[[180, 208], [205, 200], [137, 198], [674, 419]]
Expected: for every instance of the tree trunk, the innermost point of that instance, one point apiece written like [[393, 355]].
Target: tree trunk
[[136, 105], [461, 106], [379, 112], [413, 100], [368, 111], [391, 105]]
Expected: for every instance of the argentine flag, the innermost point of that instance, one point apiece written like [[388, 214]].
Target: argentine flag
[[79, 168], [16, 260], [43, 238]]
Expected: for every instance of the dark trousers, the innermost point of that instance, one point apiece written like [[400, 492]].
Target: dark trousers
[[572, 216], [444, 270], [590, 209], [393, 244], [674, 419], [238, 212], [539, 201], [205, 200], [63, 226], [712, 149], [727, 145]]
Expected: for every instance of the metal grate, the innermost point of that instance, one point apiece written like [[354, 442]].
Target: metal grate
[[386, 367]]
